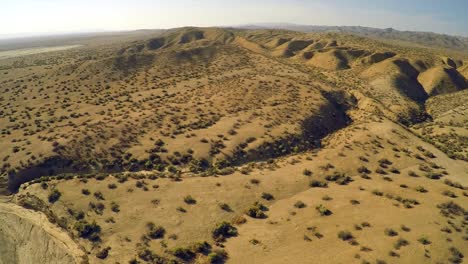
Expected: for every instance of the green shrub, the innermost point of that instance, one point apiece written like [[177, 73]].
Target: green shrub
[[87, 230], [224, 230], [257, 211], [183, 253], [323, 211], [201, 247], [217, 256]]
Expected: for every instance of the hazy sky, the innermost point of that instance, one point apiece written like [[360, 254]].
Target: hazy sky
[[53, 16]]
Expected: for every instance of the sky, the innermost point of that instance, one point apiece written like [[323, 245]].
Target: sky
[[23, 17]]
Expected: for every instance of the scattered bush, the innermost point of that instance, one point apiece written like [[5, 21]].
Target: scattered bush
[[390, 232], [345, 235], [189, 200], [268, 196], [257, 211], [323, 211], [217, 256], [401, 242], [424, 240], [102, 254], [318, 184], [225, 207], [54, 196], [449, 194], [87, 230], [154, 231], [183, 253], [224, 230], [300, 204]]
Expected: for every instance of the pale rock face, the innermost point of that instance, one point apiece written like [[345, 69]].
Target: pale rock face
[[28, 237]]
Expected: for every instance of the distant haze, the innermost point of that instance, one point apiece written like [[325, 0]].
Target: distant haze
[[33, 17]]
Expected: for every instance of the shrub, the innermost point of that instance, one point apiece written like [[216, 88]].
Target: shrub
[[267, 196], [99, 195], [385, 161], [98, 207], [189, 200], [449, 194], [87, 230], [85, 192], [115, 207], [154, 231], [451, 208], [102, 254], [323, 211], [390, 232], [44, 185], [456, 255], [255, 181], [307, 172], [401, 242], [424, 240], [377, 192], [405, 228], [201, 247], [421, 189], [366, 224], [54, 196], [345, 235], [453, 184], [363, 170], [257, 211], [318, 184], [224, 230], [339, 178], [217, 256], [299, 204], [183, 253], [225, 207], [433, 175]]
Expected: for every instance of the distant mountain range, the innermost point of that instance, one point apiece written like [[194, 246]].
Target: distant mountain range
[[428, 39]]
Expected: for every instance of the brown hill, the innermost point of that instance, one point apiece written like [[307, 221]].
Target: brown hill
[[442, 80]]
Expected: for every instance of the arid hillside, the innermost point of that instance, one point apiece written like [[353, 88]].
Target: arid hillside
[[211, 145]]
